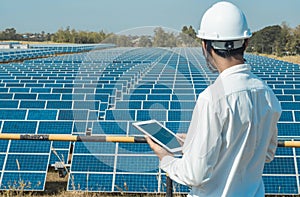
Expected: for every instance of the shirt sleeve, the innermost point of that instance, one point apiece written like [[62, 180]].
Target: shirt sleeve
[[273, 143], [200, 149], [272, 147]]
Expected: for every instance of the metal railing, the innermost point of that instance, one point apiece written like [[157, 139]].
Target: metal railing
[[121, 139]]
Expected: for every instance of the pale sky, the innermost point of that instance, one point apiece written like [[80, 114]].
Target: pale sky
[[119, 15]]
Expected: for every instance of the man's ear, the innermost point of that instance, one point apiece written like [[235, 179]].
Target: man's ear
[[203, 44], [246, 43]]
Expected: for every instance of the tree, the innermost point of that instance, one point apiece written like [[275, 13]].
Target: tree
[[164, 39], [81, 37], [285, 40], [160, 37], [144, 41], [296, 42], [188, 37], [266, 40], [9, 34], [184, 29], [191, 32], [124, 41]]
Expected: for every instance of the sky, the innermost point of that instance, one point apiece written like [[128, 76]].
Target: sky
[[35, 16]]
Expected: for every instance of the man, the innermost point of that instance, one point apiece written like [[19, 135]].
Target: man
[[233, 131]]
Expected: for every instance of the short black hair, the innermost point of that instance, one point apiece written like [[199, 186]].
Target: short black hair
[[225, 53]]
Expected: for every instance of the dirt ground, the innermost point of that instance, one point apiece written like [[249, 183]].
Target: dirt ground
[[293, 59]]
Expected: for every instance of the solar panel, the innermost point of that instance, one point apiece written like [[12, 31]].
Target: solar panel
[[19, 173], [106, 91]]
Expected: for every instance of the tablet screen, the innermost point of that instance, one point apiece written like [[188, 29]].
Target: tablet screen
[[161, 134]]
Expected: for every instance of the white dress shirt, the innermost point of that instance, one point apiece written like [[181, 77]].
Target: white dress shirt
[[233, 132]]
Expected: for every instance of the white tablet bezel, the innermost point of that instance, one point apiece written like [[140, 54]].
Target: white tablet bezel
[[172, 150]]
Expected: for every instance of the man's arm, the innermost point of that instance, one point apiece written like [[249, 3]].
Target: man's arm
[[201, 149]]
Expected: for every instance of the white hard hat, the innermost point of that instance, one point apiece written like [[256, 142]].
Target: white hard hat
[[224, 21]]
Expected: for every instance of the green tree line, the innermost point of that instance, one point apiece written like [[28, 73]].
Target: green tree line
[[80, 37], [278, 39], [161, 38]]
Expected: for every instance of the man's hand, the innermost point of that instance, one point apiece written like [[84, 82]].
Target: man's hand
[[181, 136], [159, 151]]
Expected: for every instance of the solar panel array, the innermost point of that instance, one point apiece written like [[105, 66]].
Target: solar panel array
[[104, 92], [37, 51]]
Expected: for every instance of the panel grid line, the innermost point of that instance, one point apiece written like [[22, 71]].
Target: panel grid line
[[296, 169]]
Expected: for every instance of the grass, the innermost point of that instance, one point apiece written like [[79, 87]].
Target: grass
[[56, 187], [293, 59], [34, 42]]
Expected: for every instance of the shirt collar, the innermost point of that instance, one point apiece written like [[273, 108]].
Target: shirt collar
[[235, 69]]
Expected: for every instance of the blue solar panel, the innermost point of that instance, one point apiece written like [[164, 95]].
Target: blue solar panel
[[95, 163], [94, 148], [288, 129], [59, 156], [290, 105], [281, 184], [159, 97], [120, 114], [129, 105], [19, 127], [59, 105], [136, 183], [9, 104], [61, 145], [106, 91], [29, 146], [297, 116], [110, 127], [13, 114], [21, 89], [177, 188], [19, 162], [42, 115], [98, 97], [285, 97], [134, 97], [3, 146], [286, 116], [6, 96], [90, 182], [284, 151], [280, 165], [33, 104], [134, 149], [49, 96], [23, 181], [72, 114], [140, 91], [55, 127], [182, 105], [25, 96], [155, 105], [160, 115], [125, 164], [179, 115], [92, 105], [3, 89]]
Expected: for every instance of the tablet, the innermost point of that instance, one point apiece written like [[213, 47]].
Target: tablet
[[160, 134]]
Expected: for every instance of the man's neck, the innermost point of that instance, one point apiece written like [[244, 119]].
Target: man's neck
[[224, 63]]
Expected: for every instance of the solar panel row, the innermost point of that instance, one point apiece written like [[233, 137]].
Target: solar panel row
[[106, 91], [36, 51]]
